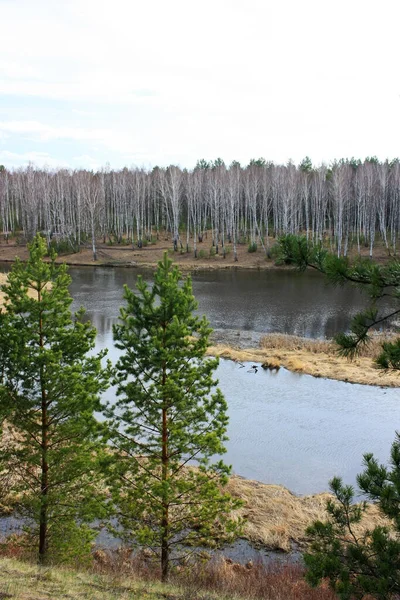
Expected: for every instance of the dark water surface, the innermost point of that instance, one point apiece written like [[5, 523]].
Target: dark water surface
[[260, 301], [284, 428]]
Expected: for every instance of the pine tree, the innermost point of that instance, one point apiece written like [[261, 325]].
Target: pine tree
[[355, 564], [49, 393], [167, 424]]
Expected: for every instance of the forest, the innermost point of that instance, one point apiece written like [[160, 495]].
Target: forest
[[353, 203]]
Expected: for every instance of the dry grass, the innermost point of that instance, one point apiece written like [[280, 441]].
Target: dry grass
[[314, 357], [222, 580], [263, 582], [276, 518], [24, 581], [281, 341]]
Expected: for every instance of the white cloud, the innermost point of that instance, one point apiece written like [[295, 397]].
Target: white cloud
[[39, 159], [86, 161], [168, 81], [43, 132]]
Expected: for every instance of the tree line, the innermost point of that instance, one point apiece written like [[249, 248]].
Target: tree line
[[351, 202]]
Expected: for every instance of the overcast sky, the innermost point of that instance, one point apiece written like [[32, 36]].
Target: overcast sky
[[145, 82]]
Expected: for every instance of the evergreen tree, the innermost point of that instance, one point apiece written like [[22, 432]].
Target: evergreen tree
[[168, 422], [49, 393], [359, 565]]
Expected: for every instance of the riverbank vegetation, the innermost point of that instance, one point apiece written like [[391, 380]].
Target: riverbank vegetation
[[277, 519], [351, 206], [319, 358], [117, 579]]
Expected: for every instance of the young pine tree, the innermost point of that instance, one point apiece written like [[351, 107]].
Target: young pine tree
[[49, 392], [168, 422], [360, 565]]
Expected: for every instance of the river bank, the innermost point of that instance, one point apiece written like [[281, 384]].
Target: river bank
[[275, 518], [315, 357], [147, 257], [318, 358]]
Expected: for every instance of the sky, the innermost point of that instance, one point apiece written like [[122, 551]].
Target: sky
[[86, 83]]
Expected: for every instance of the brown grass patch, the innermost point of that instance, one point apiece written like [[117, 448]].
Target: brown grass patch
[[222, 580], [294, 343], [314, 357], [264, 582], [275, 517]]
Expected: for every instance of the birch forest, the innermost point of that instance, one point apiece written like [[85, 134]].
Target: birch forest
[[349, 204]]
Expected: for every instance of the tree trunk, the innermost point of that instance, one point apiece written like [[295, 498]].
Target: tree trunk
[[44, 483], [164, 476]]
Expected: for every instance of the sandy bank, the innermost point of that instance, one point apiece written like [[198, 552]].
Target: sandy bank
[[148, 257]]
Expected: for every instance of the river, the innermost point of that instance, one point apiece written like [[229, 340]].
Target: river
[[284, 428]]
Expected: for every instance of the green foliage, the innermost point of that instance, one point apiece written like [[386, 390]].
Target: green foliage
[[202, 164], [62, 246], [252, 247], [168, 422], [306, 165], [218, 162], [378, 281], [360, 564], [212, 251], [257, 162], [48, 396]]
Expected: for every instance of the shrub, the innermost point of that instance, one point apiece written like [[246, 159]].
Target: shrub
[[252, 247]]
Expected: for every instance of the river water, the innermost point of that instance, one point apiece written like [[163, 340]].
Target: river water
[[284, 428], [252, 301]]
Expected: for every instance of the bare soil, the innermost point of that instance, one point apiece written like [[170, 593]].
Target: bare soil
[[148, 256]]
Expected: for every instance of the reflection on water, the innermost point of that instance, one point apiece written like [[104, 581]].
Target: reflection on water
[[261, 301]]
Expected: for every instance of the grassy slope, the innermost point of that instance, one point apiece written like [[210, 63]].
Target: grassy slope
[[224, 581], [24, 581]]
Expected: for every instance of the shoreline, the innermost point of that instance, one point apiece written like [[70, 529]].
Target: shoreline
[[360, 371], [275, 518], [186, 266], [317, 358], [128, 256]]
